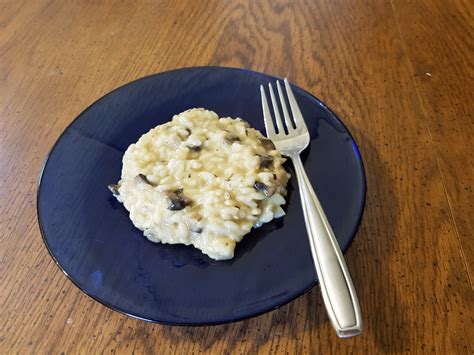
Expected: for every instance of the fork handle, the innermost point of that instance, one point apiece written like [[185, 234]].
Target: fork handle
[[337, 288]]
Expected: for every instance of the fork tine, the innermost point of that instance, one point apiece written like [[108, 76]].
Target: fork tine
[[276, 110], [295, 110], [267, 116], [289, 124]]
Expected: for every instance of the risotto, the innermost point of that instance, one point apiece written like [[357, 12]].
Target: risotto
[[202, 180]]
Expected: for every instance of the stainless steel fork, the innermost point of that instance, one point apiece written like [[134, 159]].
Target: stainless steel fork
[[337, 288]]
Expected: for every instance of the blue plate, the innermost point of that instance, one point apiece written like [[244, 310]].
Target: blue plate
[[91, 238]]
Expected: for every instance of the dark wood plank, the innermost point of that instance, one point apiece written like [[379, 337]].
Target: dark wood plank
[[407, 261]]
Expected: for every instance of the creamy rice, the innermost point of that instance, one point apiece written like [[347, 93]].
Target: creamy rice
[[202, 180]]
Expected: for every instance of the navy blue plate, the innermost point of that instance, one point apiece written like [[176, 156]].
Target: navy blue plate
[[91, 238]]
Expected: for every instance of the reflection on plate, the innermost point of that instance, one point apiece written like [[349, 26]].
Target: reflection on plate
[[91, 238]]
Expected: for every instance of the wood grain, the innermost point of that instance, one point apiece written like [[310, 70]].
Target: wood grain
[[412, 260], [443, 70]]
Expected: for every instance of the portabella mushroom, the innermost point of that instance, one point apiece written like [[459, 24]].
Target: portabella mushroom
[[176, 200], [196, 230], [143, 178], [194, 148], [114, 188], [261, 187], [267, 144], [265, 161]]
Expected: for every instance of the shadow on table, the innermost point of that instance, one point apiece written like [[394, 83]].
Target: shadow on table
[[375, 253], [303, 323]]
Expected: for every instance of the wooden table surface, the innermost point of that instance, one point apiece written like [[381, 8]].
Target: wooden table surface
[[400, 75]]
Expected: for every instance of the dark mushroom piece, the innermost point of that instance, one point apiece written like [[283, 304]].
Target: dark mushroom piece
[[261, 187], [176, 201], [176, 204], [267, 144], [194, 148], [265, 161], [144, 179], [114, 188]]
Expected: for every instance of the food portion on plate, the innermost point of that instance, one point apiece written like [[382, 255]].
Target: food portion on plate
[[202, 180]]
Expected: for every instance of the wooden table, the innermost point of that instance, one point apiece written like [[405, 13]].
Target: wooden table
[[400, 75]]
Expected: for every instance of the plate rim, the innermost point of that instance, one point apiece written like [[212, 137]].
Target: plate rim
[[267, 309]]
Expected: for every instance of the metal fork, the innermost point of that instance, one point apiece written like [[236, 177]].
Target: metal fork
[[337, 288]]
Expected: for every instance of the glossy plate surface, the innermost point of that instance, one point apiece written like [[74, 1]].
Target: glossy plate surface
[[91, 238]]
